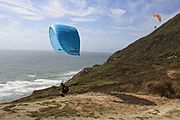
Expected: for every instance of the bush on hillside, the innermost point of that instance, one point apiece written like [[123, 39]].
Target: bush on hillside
[[163, 88]]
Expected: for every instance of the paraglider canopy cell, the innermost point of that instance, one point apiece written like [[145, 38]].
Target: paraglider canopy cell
[[64, 38]]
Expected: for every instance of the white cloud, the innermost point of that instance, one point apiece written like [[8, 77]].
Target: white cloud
[[23, 8], [125, 28], [22, 3], [53, 9], [33, 17], [117, 11], [116, 15], [81, 12], [78, 12], [4, 17], [85, 19], [79, 8]]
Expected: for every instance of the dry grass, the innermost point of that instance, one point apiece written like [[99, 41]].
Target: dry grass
[[9, 108]]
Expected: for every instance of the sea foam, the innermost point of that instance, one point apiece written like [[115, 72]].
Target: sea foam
[[12, 90]]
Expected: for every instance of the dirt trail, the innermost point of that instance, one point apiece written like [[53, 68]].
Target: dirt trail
[[90, 106]]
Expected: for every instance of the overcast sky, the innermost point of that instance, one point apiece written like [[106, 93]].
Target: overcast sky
[[104, 25]]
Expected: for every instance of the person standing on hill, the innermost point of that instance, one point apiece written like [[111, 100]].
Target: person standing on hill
[[65, 89]]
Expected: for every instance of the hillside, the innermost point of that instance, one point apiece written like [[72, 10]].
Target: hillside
[[149, 65]]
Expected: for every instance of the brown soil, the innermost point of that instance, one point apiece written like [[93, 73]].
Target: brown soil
[[117, 106]]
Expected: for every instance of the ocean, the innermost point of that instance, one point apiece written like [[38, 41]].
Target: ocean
[[22, 72]]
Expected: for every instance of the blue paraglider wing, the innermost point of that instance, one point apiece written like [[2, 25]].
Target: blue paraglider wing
[[65, 38]]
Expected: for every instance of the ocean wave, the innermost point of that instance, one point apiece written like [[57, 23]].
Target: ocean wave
[[11, 90], [31, 76], [71, 73]]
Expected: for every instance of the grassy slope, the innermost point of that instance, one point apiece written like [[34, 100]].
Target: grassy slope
[[133, 68]]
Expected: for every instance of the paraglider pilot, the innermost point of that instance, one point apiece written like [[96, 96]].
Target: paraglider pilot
[[65, 89]]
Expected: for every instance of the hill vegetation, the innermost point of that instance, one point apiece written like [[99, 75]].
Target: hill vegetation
[[149, 65]]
